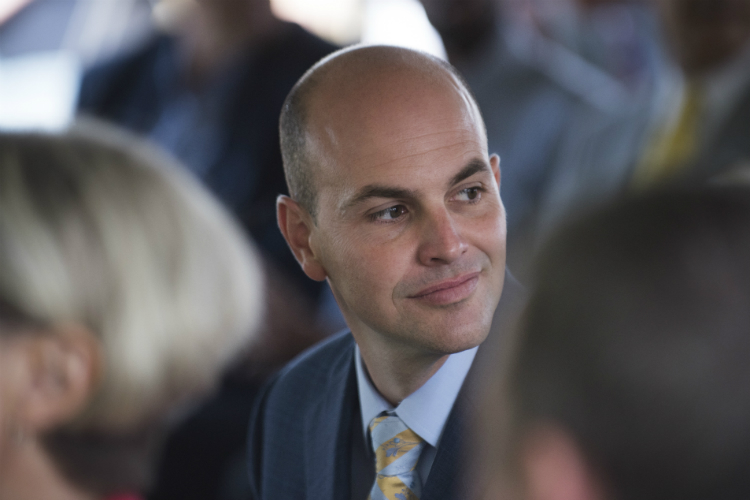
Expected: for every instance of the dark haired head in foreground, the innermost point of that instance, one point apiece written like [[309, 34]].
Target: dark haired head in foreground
[[631, 374]]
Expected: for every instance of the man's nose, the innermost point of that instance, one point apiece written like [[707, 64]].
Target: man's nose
[[441, 240]]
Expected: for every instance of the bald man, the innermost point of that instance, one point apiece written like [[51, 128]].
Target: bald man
[[395, 203]]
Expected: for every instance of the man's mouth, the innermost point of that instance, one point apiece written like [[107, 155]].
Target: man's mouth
[[449, 291]]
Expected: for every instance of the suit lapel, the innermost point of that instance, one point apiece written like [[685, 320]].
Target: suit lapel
[[328, 432], [446, 479]]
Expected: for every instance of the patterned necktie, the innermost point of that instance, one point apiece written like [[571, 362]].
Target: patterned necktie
[[672, 149], [397, 449]]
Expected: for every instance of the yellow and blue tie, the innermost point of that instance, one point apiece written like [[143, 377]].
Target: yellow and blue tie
[[397, 449]]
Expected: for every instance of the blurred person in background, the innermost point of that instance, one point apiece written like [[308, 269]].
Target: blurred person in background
[[696, 127], [124, 290], [528, 86], [209, 89], [618, 37], [629, 376]]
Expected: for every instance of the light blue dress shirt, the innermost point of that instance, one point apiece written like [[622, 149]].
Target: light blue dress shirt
[[425, 411]]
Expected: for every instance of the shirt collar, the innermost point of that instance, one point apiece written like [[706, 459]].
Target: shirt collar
[[426, 410]]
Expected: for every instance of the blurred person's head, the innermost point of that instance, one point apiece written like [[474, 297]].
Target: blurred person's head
[[704, 34], [212, 33], [124, 290], [229, 12], [629, 377], [464, 25]]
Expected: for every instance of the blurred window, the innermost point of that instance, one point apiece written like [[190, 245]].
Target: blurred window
[[403, 23], [391, 22], [45, 44]]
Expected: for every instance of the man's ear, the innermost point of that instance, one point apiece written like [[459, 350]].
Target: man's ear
[[495, 166], [297, 226], [554, 467], [62, 370]]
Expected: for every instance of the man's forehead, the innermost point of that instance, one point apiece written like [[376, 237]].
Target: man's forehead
[[392, 111], [404, 151], [362, 81]]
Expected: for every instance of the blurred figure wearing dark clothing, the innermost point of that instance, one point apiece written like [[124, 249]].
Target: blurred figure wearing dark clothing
[[705, 34], [220, 120], [210, 91], [697, 127]]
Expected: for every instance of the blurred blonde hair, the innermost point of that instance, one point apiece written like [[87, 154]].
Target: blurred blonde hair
[[99, 229]]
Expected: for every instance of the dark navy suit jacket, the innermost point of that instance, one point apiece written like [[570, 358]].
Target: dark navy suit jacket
[[301, 430]]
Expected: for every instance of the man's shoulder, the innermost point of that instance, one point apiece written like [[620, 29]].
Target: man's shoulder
[[312, 389], [312, 371], [319, 357]]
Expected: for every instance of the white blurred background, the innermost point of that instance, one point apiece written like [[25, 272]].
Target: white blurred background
[[46, 44]]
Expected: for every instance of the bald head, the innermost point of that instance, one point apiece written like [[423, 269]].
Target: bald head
[[353, 91]]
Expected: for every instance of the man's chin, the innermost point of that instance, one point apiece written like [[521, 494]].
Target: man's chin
[[450, 339]]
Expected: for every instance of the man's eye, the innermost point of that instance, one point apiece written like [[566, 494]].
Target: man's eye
[[390, 213], [470, 194]]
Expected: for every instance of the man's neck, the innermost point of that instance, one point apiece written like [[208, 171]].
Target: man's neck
[[397, 372]]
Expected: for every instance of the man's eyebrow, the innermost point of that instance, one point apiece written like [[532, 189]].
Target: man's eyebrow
[[377, 191], [381, 191], [474, 166]]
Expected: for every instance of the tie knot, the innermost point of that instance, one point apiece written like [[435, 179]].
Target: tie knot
[[397, 448]]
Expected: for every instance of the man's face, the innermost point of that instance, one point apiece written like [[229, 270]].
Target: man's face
[[705, 33], [410, 227]]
